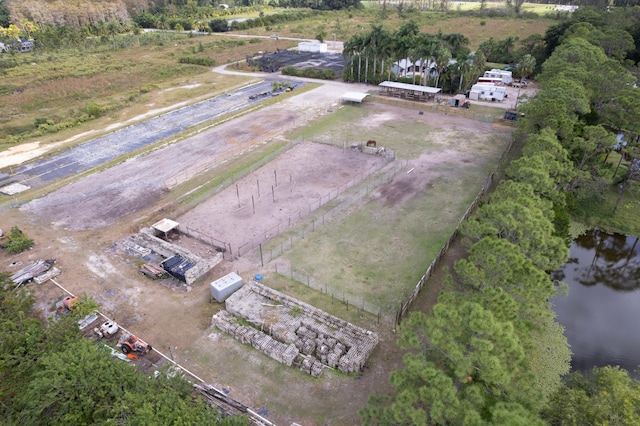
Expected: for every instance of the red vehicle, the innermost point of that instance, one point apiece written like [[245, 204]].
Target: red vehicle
[[130, 343]]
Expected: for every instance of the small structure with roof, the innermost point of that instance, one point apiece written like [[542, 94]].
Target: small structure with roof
[[408, 91], [460, 101], [164, 227], [353, 97]]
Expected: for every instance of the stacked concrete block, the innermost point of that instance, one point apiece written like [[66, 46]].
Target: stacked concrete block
[[332, 359], [316, 369], [312, 366], [321, 337], [283, 353]]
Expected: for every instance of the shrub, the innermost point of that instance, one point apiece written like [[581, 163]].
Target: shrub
[[207, 62], [92, 109], [17, 241], [219, 25], [319, 73]]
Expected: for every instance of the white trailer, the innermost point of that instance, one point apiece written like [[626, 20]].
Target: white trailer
[[505, 76], [487, 92]]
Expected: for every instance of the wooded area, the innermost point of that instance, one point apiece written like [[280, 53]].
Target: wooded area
[[490, 352]]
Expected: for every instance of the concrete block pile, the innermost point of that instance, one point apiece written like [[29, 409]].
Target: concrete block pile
[[283, 353], [285, 329]]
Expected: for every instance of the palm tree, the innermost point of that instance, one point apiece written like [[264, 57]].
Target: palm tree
[[429, 45], [442, 56], [352, 48], [379, 45], [356, 46], [455, 42], [526, 65], [463, 68]]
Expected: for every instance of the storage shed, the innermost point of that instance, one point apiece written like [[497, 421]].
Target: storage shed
[[459, 101], [225, 286]]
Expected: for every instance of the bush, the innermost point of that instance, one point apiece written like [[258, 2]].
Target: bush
[[219, 25], [17, 241], [319, 73], [92, 109], [207, 62]]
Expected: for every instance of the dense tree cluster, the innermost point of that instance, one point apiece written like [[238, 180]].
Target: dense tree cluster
[[50, 375], [491, 352], [372, 56]]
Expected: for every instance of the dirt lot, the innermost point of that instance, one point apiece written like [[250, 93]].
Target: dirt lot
[[276, 196], [79, 225]]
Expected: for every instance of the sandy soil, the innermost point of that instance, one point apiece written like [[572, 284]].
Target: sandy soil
[[80, 224], [277, 195]]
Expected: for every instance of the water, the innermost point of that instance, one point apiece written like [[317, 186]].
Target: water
[[601, 314]]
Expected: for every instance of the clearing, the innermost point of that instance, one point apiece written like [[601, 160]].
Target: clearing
[[372, 241]]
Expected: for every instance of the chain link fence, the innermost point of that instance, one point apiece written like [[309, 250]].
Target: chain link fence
[[363, 183], [444, 108], [404, 307]]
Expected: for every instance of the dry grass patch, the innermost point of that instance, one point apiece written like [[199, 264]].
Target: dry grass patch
[[377, 251]]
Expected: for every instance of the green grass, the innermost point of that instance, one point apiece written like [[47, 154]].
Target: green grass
[[378, 252], [346, 23], [116, 80], [331, 304]]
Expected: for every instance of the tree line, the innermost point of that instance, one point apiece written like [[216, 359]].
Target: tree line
[[491, 351], [444, 60], [190, 13]]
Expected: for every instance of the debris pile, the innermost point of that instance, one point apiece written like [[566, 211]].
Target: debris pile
[[36, 269]]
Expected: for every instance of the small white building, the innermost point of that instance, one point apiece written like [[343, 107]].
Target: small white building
[[487, 92], [312, 46], [504, 76]]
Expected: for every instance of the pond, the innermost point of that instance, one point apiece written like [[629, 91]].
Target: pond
[[601, 313]]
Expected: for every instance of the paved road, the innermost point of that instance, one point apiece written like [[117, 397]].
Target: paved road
[[102, 150]]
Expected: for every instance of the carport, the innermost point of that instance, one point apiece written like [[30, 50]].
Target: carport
[[353, 97], [408, 91], [165, 226]]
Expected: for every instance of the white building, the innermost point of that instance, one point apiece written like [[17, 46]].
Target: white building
[[487, 92], [503, 75]]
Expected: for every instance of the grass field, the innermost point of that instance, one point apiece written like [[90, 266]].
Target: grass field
[[344, 24], [113, 84], [379, 250]]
